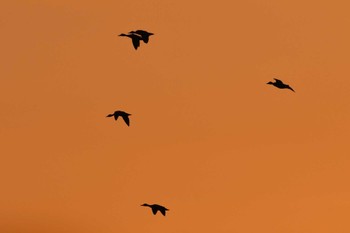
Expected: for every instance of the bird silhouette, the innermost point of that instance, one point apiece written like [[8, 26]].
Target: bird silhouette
[[279, 84], [155, 208], [144, 34], [135, 39], [124, 115]]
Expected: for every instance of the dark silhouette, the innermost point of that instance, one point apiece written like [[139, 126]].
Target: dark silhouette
[[135, 39], [278, 83], [156, 207], [124, 115], [144, 34]]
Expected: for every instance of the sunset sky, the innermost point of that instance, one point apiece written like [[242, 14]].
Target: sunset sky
[[208, 139]]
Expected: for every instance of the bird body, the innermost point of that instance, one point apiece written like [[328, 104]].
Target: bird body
[[279, 84], [144, 34], [138, 35], [155, 208], [124, 115]]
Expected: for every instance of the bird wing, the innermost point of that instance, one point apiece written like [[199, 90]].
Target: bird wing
[[116, 116], [145, 38], [126, 119], [162, 211], [154, 210], [278, 81], [135, 42]]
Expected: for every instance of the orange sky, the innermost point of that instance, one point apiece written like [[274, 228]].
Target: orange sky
[[208, 138]]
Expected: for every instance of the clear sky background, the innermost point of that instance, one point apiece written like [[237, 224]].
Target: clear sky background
[[208, 138]]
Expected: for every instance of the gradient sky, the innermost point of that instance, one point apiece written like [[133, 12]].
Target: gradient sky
[[208, 139]]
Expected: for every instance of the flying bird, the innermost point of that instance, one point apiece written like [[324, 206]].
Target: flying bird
[[124, 115], [135, 39], [155, 208], [279, 84], [144, 35]]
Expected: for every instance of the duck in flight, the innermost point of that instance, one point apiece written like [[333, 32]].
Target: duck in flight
[[124, 115], [135, 39], [155, 208], [144, 35], [279, 84]]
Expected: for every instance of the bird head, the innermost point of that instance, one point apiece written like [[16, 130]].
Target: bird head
[[269, 83], [145, 204]]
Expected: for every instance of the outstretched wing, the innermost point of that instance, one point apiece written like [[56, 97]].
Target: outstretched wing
[[162, 211], [145, 38], [154, 210], [136, 42], [116, 116], [126, 119]]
